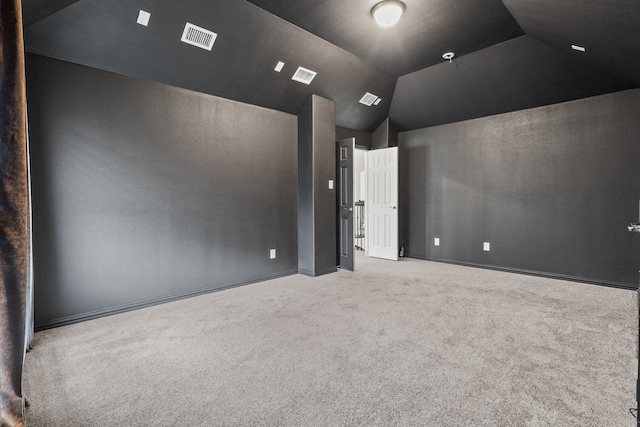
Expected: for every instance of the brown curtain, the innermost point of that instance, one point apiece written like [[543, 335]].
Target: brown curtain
[[14, 214]]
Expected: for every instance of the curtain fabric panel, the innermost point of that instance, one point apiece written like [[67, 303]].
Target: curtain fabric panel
[[14, 215]]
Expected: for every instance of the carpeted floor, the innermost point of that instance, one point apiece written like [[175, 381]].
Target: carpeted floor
[[408, 343]]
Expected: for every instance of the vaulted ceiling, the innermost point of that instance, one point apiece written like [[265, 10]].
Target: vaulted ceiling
[[510, 54]]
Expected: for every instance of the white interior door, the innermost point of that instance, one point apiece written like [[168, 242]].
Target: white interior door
[[382, 203]]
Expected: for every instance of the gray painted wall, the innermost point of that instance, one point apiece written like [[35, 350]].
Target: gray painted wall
[[143, 192], [385, 136], [317, 210], [363, 139], [551, 188]]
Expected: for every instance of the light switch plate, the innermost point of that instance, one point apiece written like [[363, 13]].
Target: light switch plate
[[486, 247], [330, 184], [272, 254], [436, 241]]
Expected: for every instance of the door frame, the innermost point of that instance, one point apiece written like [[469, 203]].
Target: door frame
[[344, 203]]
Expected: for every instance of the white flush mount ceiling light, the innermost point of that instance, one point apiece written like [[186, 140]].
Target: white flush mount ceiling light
[[449, 56], [388, 13]]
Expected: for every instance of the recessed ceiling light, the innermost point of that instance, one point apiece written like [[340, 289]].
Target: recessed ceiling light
[[304, 75], [388, 13], [578, 48], [279, 66], [143, 18]]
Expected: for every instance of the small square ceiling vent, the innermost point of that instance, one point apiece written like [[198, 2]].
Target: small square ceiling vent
[[303, 75], [368, 99], [143, 17], [198, 36]]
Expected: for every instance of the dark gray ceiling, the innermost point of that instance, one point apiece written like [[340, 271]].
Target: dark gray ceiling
[[497, 69], [104, 34], [36, 10], [426, 31], [513, 75], [608, 29]]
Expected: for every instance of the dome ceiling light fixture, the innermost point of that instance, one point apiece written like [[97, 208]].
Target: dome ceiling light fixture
[[388, 13]]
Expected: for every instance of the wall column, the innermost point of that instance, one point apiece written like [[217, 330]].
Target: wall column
[[316, 200]]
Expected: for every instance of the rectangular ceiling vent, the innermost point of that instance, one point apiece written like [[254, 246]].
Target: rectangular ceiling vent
[[304, 75], [368, 99], [198, 36]]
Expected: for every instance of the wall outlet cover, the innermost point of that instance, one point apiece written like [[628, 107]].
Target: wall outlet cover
[[486, 246], [272, 254]]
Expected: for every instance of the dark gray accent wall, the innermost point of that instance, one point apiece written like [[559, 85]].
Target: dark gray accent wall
[[385, 136], [144, 192], [551, 188], [316, 201], [363, 139]]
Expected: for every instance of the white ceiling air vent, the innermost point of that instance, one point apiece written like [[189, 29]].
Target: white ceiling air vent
[[368, 99], [198, 36], [304, 75]]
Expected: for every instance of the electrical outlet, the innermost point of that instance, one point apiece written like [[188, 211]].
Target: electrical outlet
[[436, 241], [272, 254], [486, 247]]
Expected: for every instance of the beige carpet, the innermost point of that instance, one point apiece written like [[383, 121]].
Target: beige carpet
[[408, 343]]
